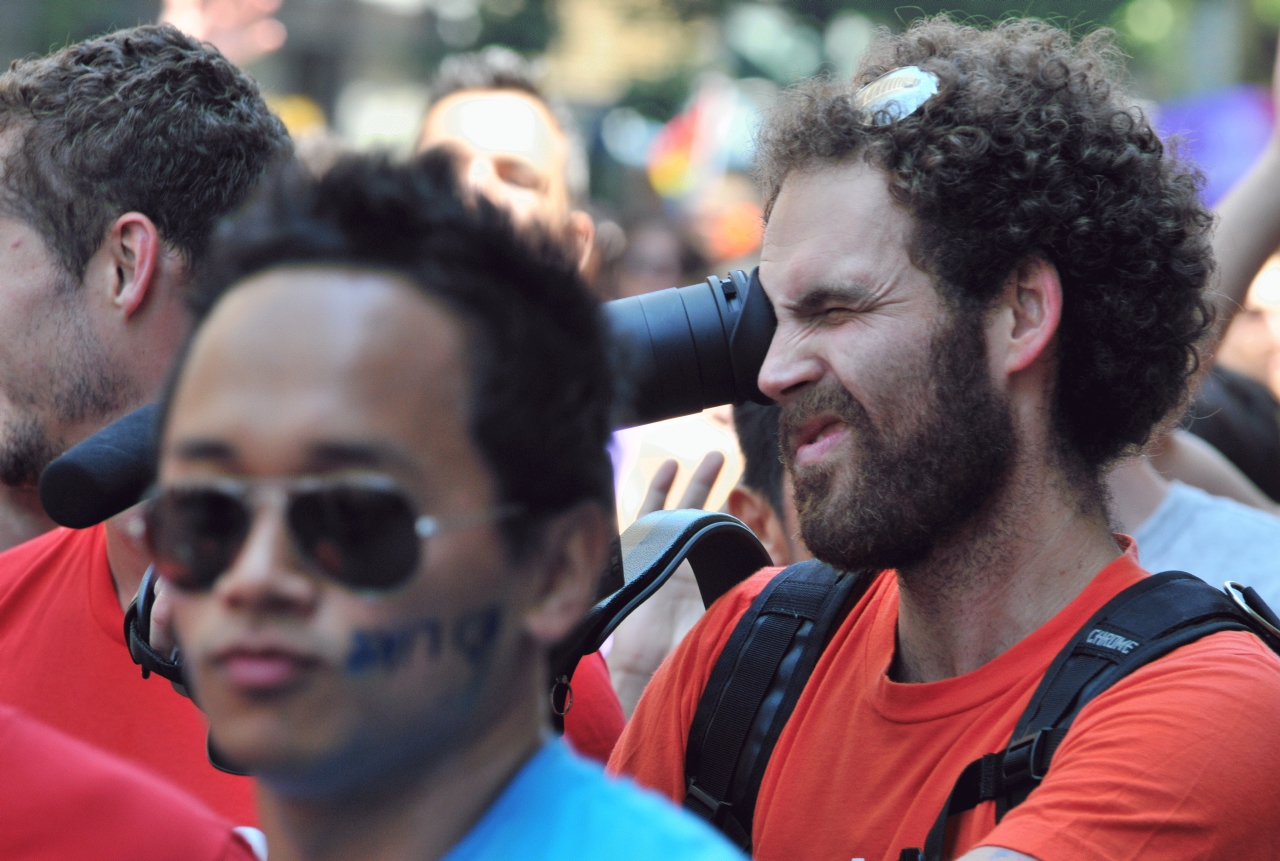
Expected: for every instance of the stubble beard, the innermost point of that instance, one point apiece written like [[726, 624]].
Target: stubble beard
[[918, 477], [80, 385]]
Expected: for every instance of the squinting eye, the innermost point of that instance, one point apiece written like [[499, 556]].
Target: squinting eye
[[520, 175]]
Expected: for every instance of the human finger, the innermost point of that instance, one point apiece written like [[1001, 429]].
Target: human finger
[[659, 488], [704, 478]]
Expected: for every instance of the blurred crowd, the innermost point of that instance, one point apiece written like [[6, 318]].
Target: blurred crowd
[[379, 409]]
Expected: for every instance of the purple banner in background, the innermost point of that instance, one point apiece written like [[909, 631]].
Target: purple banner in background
[[1223, 131]]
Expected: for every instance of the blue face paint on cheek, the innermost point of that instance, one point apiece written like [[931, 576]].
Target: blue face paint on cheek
[[474, 634], [387, 649]]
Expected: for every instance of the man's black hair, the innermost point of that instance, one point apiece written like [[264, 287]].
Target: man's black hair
[[146, 120], [541, 382], [493, 68], [757, 428]]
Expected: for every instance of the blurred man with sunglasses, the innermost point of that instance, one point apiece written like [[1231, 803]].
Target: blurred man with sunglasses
[[117, 157], [383, 496]]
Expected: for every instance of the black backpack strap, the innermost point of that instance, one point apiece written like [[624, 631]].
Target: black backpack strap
[[754, 687], [1143, 623]]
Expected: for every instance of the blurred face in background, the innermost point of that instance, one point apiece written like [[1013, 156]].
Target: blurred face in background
[[509, 148], [332, 375], [1251, 345]]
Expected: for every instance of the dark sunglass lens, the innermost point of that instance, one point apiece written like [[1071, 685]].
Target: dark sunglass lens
[[195, 534], [362, 537]]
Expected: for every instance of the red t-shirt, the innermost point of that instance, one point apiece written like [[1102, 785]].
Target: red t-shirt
[[1178, 760], [63, 660], [62, 799]]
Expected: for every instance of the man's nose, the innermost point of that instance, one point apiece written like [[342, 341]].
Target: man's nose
[[788, 366], [268, 575]]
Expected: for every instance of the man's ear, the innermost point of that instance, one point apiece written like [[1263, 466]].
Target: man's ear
[[573, 556], [1027, 316], [756, 512], [133, 250], [582, 233]]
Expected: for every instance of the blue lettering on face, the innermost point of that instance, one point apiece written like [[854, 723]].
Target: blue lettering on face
[[472, 635]]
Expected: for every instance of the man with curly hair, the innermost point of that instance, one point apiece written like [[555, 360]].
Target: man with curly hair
[[989, 288]]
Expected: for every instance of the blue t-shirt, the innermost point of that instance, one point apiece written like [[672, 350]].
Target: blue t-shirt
[[560, 807]]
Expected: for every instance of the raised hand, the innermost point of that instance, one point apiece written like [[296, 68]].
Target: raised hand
[[243, 30]]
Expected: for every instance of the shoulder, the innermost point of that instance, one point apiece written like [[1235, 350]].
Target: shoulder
[[623, 821], [1178, 758], [54, 779], [52, 549], [1216, 697], [1214, 538], [1224, 514]]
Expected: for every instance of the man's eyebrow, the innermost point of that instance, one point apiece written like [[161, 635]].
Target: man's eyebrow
[[204, 449], [333, 455], [819, 298]]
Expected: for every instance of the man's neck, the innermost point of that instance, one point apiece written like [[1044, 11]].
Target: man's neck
[[1024, 557], [424, 818], [21, 516]]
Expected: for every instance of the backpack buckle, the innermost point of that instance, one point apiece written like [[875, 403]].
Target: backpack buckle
[[1024, 760], [699, 801]]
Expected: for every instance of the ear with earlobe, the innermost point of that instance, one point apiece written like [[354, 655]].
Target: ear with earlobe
[[1025, 319], [133, 248], [573, 553], [757, 513]]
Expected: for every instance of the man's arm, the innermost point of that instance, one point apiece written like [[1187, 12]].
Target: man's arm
[[1248, 230]]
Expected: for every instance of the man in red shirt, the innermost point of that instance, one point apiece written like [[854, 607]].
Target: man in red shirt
[[117, 157], [988, 279], [62, 799]]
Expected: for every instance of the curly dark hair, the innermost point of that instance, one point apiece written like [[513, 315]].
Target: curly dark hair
[[145, 119], [541, 381], [1030, 149]]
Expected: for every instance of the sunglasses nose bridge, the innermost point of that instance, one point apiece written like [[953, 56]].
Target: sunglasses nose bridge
[[268, 564]]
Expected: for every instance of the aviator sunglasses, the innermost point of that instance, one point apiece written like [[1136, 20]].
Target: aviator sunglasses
[[363, 532]]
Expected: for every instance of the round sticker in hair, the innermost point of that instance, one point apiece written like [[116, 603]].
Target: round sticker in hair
[[896, 94]]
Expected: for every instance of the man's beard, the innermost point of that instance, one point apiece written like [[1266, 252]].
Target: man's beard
[[82, 385], [929, 469]]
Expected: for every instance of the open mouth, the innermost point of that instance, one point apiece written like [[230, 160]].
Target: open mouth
[[817, 438]]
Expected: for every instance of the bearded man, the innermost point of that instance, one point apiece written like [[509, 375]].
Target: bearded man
[[988, 276]]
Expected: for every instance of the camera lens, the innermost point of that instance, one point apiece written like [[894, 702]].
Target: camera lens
[[685, 349]]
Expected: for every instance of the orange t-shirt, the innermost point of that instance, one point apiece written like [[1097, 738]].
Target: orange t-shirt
[[63, 660], [1181, 759]]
